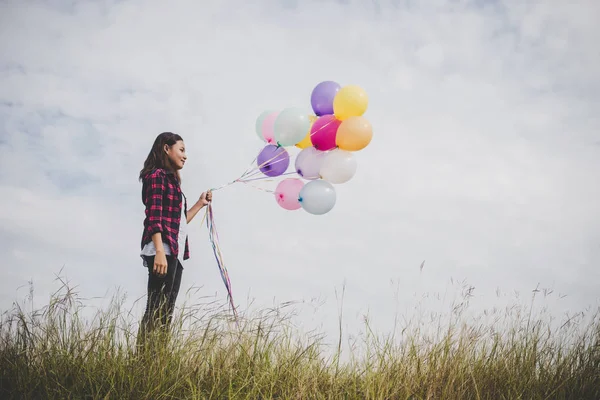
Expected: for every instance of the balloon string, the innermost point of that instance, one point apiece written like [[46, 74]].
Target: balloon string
[[214, 240], [250, 166], [252, 171], [267, 177], [250, 175], [258, 188], [257, 173]]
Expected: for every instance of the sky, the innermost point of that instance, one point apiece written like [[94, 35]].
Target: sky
[[484, 161]]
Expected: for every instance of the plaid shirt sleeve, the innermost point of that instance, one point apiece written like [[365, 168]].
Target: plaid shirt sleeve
[[156, 187]]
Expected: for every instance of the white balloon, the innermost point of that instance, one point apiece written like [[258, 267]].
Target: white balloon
[[291, 126], [339, 166], [318, 197], [308, 163]]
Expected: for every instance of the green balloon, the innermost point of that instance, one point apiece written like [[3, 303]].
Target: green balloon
[[291, 126]]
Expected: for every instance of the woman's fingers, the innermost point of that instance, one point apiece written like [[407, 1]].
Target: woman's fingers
[[160, 267]]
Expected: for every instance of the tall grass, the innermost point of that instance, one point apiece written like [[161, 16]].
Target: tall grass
[[55, 353]]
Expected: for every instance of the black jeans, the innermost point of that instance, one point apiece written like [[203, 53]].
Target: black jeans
[[162, 295]]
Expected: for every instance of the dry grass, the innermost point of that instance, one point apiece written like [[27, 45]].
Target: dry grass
[[54, 353]]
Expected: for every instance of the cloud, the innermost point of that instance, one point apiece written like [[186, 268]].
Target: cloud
[[483, 162]]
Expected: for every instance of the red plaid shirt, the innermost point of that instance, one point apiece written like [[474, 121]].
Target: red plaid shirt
[[161, 194]]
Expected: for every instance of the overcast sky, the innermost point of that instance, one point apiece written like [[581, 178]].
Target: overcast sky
[[484, 161]]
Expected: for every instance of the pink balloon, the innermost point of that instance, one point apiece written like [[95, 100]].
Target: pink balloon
[[267, 127], [324, 131], [287, 193]]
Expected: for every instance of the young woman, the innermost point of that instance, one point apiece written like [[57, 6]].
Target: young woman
[[164, 239]]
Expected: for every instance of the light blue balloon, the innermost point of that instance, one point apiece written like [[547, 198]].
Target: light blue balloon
[[317, 197], [291, 126]]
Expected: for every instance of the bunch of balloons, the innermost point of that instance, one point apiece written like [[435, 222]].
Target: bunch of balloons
[[328, 140]]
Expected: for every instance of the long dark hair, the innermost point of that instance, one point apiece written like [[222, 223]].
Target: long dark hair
[[157, 158]]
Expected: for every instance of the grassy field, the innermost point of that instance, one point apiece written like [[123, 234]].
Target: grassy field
[[55, 353]]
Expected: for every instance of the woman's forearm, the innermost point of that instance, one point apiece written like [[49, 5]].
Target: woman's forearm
[[158, 243], [193, 211]]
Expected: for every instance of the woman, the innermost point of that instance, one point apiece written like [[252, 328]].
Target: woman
[[164, 239]]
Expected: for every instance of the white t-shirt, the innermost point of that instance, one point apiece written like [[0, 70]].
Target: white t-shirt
[[150, 250]]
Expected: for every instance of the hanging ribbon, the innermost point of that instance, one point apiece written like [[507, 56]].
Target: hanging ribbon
[[247, 177], [214, 240]]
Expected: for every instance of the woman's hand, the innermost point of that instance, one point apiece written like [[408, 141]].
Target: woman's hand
[[203, 201], [160, 263], [205, 198]]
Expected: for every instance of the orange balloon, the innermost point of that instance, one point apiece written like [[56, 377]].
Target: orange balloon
[[354, 133], [306, 142]]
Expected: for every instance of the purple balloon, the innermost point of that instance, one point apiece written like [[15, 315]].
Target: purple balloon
[[273, 160], [322, 97]]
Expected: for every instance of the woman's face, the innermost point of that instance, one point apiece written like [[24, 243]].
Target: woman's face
[[176, 154]]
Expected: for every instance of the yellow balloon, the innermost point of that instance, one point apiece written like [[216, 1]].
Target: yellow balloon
[[354, 134], [350, 101], [306, 142]]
